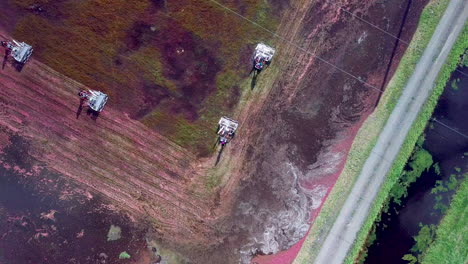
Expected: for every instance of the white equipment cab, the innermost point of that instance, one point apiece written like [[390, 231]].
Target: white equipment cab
[[226, 129], [20, 51], [96, 99], [263, 55]]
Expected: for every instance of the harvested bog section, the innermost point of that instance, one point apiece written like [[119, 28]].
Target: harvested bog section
[[158, 60], [42, 225], [316, 110], [130, 164]]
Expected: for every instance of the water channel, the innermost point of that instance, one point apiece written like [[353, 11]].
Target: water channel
[[446, 141]]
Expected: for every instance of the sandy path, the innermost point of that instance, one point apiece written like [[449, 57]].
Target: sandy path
[[356, 208]]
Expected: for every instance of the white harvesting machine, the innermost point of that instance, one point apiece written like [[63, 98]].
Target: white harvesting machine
[[263, 55], [226, 129], [20, 51], [96, 99]]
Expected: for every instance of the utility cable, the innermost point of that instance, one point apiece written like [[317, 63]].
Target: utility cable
[[296, 46], [384, 31], [301, 48], [321, 59], [449, 127]]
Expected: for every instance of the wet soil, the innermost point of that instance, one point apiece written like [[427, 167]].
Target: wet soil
[[315, 108], [448, 149], [136, 168], [48, 219]]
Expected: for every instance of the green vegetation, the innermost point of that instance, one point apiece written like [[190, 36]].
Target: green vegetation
[[451, 242], [124, 255], [436, 167], [464, 59], [423, 240], [449, 185], [115, 233], [420, 161], [369, 132], [454, 84], [427, 233]]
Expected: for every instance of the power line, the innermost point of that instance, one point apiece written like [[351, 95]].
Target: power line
[[325, 61], [301, 48], [449, 127], [384, 31], [297, 46], [373, 25]]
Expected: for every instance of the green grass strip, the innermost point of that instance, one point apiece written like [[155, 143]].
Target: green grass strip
[[451, 243], [370, 130], [416, 130]]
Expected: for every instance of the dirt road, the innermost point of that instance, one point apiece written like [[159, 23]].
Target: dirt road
[[355, 210]]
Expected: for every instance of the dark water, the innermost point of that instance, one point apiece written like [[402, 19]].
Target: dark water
[[76, 229], [396, 230]]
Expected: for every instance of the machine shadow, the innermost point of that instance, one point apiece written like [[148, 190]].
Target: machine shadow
[[216, 143], [93, 114], [219, 155], [79, 110], [5, 60], [18, 66], [254, 79]]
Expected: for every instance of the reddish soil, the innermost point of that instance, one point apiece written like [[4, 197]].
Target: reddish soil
[[114, 155], [42, 225], [289, 152]]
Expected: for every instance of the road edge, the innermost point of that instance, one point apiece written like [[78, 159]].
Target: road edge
[[367, 136], [415, 132]]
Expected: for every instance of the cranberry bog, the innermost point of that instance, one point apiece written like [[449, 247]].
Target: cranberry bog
[[146, 164]]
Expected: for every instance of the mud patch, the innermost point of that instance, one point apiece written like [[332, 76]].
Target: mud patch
[[185, 62], [159, 4], [139, 34], [190, 64], [17, 152], [153, 94]]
